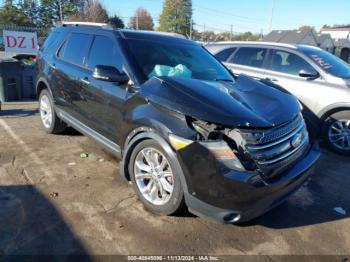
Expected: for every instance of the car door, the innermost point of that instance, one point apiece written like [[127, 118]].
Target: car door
[[105, 100], [249, 61], [69, 70], [283, 69]]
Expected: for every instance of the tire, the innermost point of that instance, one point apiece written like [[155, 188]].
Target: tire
[[336, 132], [171, 203], [50, 121]]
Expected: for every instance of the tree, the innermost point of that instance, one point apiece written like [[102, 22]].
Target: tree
[[51, 10], [30, 9], [116, 22], [91, 11], [306, 28], [96, 12], [209, 36], [176, 16], [142, 20], [10, 14]]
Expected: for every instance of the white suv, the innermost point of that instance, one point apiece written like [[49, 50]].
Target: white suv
[[317, 78]]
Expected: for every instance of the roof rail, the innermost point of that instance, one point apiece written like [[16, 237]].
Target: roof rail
[[294, 46], [155, 33], [86, 24]]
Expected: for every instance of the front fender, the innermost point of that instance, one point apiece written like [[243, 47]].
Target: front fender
[[149, 134], [163, 121], [333, 108], [42, 81]]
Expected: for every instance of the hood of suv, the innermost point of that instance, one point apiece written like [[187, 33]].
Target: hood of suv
[[246, 102]]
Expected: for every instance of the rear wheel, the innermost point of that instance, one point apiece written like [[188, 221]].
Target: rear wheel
[[155, 181], [51, 123], [336, 132]]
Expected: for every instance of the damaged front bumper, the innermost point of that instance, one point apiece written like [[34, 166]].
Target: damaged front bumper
[[227, 195]]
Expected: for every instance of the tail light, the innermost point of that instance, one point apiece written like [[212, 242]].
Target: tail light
[[37, 57]]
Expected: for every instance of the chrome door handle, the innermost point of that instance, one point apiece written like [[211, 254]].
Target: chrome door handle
[[85, 80], [272, 79]]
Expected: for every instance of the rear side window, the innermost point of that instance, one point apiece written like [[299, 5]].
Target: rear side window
[[75, 48], [104, 52], [289, 63], [50, 40], [225, 54], [250, 56]]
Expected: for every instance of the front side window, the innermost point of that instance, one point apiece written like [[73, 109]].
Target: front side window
[[250, 56], [288, 63], [75, 48], [225, 54], [104, 52], [176, 60]]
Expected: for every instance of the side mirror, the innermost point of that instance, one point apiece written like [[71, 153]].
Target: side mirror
[[309, 74], [110, 74]]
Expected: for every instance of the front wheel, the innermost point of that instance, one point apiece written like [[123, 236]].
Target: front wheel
[[336, 132], [155, 180], [51, 123]]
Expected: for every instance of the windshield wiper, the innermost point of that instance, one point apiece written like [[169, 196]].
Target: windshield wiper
[[224, 80]]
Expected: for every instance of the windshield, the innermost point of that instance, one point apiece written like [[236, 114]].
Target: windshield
[[177, 60], [328, 62]]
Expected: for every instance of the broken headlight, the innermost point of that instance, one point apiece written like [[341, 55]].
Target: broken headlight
[[219, 149]]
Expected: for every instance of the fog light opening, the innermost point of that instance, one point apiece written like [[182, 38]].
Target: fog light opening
[[232, 217]]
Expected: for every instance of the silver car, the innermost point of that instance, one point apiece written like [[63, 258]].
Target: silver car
[[320, 81]]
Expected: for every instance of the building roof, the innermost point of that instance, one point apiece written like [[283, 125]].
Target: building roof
[[320, 38], [342, 43], [286, 36], [340, 28]]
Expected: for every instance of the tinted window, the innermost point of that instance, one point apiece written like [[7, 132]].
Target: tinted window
[[250, 56], [104, 52], [75, 48], [328, 62], [224, 54], [50, 40], [289, 63]]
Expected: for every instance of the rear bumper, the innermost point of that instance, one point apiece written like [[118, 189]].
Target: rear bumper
[[231, 196]]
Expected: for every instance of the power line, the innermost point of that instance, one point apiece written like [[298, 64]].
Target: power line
[[230, 14], [238, 17]]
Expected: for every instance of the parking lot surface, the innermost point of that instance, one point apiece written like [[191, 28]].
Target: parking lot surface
[[52, 201]]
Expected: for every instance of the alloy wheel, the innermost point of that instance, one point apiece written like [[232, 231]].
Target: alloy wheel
[[45, 111], [339, 134], [153, 175]]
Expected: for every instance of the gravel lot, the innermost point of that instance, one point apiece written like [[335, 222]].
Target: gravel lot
[[52, 201]]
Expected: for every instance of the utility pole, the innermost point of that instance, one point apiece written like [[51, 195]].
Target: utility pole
[[203, 39], [272, 12], [231, 33], [137, 22], [191, 25]]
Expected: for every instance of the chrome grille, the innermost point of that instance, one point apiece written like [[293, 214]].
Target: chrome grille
[[275, 150]]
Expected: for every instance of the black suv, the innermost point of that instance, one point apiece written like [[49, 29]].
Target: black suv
[[188, 132]]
